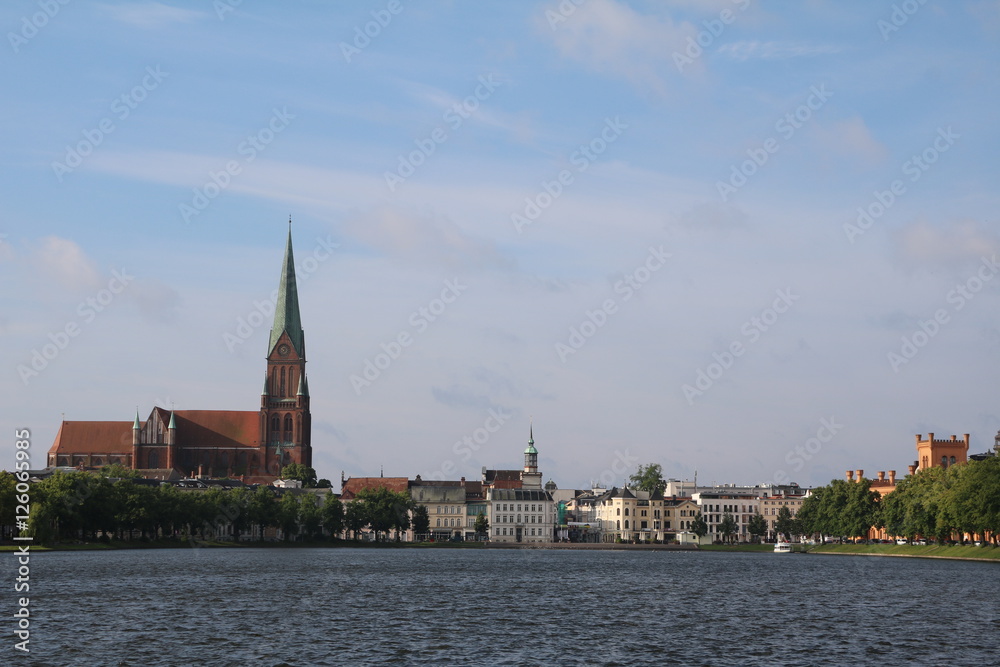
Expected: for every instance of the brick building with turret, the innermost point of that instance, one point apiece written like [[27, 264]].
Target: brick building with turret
[[252, 445]]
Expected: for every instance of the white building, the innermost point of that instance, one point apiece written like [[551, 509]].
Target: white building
[[525, 514]]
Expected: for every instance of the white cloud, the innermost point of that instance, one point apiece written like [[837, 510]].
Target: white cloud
[[150, 14], [853, 138], [66, 262], [958, 245], [611, 38], [424, 239]]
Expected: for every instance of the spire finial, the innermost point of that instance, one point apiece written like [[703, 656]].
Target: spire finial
[[289, 220]]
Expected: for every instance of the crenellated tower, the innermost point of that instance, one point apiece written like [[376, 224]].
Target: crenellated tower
[[285, 420]]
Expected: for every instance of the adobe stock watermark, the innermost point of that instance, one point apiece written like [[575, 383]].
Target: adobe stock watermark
[[958, 297], [363, 35], [419, 321], [249, 148], [471, 443], [30, 25], [899, 17], [22, 518], [87, 311], [262, 310], [751, 330], [455, 116], [581, 159], [915, 168], [712, 29], [786, 126], [121, 108], [802, 453], [562, 12], [223, 7], [626, 287]]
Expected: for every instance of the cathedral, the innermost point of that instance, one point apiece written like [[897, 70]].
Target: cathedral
[[249, 445]]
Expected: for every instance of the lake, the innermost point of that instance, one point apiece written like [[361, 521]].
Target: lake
[[277, 606]]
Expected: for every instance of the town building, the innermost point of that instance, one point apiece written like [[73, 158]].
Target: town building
[[521, 510], [715, 505], [250, 445]]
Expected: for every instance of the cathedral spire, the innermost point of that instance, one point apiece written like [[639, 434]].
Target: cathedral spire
[[286, 311]]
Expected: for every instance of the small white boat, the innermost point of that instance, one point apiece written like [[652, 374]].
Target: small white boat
[[783, 547]]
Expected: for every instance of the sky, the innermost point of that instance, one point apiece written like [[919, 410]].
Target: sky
[[755, 242]]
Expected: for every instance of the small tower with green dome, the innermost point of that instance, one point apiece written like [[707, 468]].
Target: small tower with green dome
[[531, 478]]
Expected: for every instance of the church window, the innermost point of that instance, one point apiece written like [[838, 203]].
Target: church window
[[275, 428], [288, 428], [154, 460]]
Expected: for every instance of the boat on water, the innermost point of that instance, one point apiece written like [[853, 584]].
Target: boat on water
[[783, 547]]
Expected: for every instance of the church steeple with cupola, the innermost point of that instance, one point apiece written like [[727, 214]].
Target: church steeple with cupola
[[286, 423]]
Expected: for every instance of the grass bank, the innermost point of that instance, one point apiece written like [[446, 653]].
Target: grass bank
[[912, 551], [737, 547]]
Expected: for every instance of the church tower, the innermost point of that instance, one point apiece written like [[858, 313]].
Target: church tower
[[530, 477], [285, 420]]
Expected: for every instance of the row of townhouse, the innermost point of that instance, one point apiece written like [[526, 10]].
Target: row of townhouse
[[514, 502], [632, 515]]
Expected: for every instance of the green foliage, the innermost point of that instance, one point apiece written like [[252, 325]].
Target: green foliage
[[649, 478], [117, 470], [785, 523], [421, 520], [355, 517], [303, 473], [698, 526], [385, 511], [728, 527], [757, 526], [482, 525], [333, 516]]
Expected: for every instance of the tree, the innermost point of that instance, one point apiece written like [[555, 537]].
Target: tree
[[421, 522], [698, 525], [728, 527], [262, 510], [784, 524], [355, 517], [288, 515], [119, 471], [303, 473], [649, 478], [482, 526], [309, 516], [333, 515], [757, 526]]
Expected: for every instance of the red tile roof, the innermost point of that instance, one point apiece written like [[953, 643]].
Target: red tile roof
[[355, 484], [217, 428], [93, 437]]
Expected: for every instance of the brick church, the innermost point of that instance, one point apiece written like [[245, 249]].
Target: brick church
[[248, 445]]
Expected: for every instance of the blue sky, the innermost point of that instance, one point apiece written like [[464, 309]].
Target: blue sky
[[636, 222]]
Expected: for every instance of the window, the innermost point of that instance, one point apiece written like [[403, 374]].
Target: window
[[953, 460], [626, 511], [439, 522], [626, 524], [618, 511], [944, 461]]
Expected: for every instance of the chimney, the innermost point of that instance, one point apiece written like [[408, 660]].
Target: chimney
[[892, 477], [881, 475], [930, 437], [860, 473], [911, 469], [850, 475], [954, 438]]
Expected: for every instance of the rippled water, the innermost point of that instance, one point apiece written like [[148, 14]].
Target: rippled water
[[386, 606]]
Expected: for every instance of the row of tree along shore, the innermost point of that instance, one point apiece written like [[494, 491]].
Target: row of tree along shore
[[952, 504], [112, 505]]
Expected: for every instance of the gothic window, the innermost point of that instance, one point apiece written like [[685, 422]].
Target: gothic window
[[154, 460], [291, 381], [281, 392], [159, 434], [288, 428], [275, 428]]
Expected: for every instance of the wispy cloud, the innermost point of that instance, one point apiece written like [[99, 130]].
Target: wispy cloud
[[743, 51], [611, 38], [853, 138], [151, 14]]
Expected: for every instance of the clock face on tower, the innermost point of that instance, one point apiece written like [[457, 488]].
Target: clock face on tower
[[283, 350]]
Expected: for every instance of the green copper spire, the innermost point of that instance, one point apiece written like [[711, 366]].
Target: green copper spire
[[173, 423], [302, 386], [531, 440], [135, 425], [265, 392], [286, 311]]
